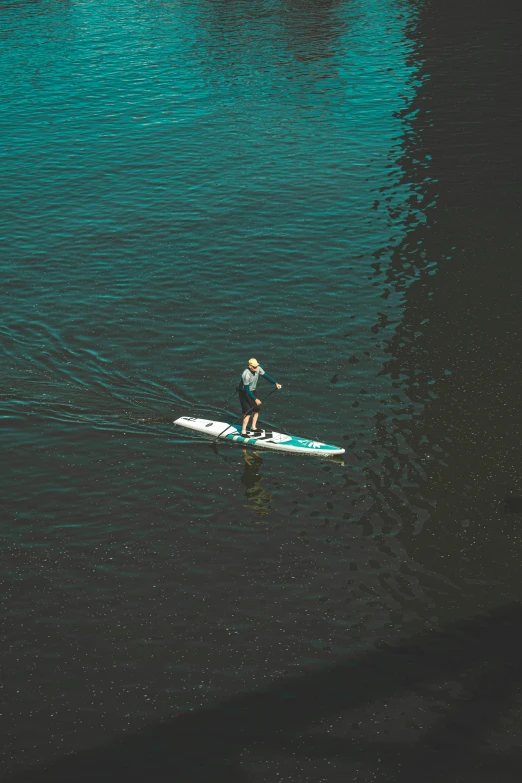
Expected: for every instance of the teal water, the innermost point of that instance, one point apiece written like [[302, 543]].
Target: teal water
[[333, 188]]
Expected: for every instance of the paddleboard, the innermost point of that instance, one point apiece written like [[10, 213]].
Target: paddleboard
[[267, 440]]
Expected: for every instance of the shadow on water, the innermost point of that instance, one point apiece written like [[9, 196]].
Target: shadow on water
[[311, 28], [479, 657], [456, 348]]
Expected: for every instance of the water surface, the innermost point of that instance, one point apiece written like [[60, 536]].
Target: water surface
[[332, 188]]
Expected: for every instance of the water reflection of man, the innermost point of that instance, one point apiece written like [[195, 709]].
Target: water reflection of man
[[258, 497]]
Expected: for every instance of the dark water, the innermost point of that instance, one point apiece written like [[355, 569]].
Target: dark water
[[334, 188]]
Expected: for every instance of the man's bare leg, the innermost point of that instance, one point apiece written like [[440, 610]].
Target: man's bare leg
[[245, 423]]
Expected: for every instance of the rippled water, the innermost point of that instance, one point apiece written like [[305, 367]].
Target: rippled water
[[333, 188]]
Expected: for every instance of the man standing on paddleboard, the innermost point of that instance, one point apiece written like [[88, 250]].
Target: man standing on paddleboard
[[248, 400]]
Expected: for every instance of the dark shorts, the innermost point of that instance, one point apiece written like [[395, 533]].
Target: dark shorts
[[247, 403]]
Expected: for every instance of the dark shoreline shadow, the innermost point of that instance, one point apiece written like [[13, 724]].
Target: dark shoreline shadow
[[484, 653]]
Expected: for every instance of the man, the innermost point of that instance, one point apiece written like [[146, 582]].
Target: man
[[249, 402]]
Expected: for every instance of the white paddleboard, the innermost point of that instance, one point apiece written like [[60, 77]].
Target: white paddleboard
[[267, 440]]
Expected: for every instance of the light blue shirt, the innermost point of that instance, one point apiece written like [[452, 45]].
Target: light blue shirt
[[250, 378]]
